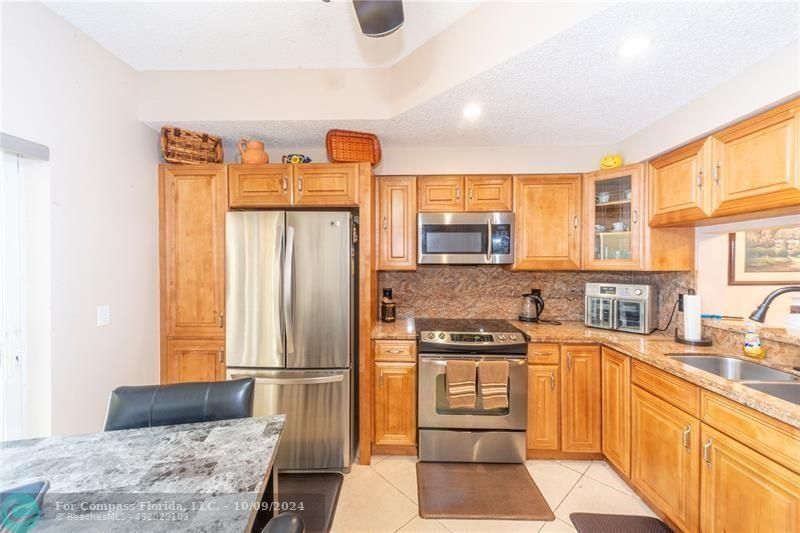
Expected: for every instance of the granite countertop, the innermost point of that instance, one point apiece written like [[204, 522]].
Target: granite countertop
[[188, 477], [651, 349]]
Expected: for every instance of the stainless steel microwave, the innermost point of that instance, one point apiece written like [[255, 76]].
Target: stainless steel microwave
[[465, 238]]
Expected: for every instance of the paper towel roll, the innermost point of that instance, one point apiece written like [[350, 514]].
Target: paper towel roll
[[692, 330]]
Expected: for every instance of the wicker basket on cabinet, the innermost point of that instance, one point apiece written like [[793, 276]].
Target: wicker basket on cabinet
[[352, 147], [191, 147]]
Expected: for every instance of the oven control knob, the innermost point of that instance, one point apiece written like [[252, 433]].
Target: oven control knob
[[430, 335], [638, 292], [502, 337], [441, 335], [513, 337]]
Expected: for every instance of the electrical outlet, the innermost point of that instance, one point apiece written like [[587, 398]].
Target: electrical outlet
[[680, 302], [103, 315]]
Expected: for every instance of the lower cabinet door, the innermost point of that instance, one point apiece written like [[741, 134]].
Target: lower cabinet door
[[665, 457], [744, 491], [194, 360], [580, 399], [543, 410], [615, 389], [395, 404]]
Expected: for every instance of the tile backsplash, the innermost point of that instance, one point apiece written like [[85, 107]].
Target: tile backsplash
[[495, 292]]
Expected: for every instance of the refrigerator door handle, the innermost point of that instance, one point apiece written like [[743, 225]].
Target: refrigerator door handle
[[293, 381], [288, 296], [277, 282]]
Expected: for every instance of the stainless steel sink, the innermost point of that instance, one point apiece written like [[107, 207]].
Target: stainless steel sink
[[785, 391], [733, 368]]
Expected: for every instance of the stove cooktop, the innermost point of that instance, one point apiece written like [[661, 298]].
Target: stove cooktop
[[469, 336]]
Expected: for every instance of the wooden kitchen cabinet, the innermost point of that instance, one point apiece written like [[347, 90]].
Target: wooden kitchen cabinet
[[192, 204], [680, 185], [488, 193], [260, 185], [543, 407], [548, 222], [665, 457], [755, 163], [580, 399], [397, 223], [440, 194], [395, 413], [744, 491], [194, 360], [326, 184], [616, 409]]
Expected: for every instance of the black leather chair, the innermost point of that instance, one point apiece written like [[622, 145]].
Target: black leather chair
[[183, 403], [285, 523]]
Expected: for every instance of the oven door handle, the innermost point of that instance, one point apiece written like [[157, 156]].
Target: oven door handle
[[443, 362]]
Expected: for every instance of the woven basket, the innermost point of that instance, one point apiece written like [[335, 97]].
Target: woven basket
[[191, 147], [352, 147]]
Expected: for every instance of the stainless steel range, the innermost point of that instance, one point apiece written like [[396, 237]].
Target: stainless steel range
[[477, 433]]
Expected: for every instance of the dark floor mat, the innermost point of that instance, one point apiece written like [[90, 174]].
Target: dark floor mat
[[479, 491], [617, 523], [312, 496]]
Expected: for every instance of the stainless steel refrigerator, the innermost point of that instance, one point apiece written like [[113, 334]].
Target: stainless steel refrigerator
[[291, 309]]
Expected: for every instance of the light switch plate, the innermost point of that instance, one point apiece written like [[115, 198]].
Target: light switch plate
[[103, 315]]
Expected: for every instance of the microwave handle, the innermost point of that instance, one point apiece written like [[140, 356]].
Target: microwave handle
[[489, 240]]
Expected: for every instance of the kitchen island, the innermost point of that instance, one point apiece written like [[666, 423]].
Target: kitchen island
[[210, 476]]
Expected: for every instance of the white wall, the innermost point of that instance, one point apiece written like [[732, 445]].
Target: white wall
[[711, 257], [62, 90]]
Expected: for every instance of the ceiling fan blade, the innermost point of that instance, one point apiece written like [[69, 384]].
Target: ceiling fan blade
[[379, 18]]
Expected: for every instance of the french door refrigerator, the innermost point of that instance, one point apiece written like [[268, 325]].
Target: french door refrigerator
[[291, 281]]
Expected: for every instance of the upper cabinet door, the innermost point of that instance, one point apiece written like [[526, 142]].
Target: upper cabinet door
[[440, 194], [614, 219], [259, 185], [326, 184], [397, 223], [193, 206], [755, 163], [547, 212], [488, 193], [680, 185]]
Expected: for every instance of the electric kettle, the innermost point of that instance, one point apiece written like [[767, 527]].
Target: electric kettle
[[532, 306]]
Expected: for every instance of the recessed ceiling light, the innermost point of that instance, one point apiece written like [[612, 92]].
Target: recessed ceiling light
[[633, 46], [472, 111]]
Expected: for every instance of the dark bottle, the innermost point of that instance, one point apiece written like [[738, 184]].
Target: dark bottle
[[388, 311]]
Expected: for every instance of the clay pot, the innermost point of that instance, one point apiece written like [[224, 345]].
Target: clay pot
[[253, 153]]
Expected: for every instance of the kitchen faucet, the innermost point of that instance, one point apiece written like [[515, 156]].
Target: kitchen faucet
[[761, 311]]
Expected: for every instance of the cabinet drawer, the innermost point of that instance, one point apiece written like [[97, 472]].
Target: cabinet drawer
[[773, 438], [676, 391], [543, 354], [395, 351]]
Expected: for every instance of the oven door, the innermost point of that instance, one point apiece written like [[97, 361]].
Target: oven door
[[601, 312], [435, 412], [465, 238], [631, 315]]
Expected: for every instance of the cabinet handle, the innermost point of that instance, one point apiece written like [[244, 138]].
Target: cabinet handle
[[385, 223], [717, 172], [470, 193], [635, 216], [380, 379], [700, 180], [222, 356], [221, 320], [285, 184], [395, 351], [575, 221], [300, 184], [706, 454], [552, 381], [458, 192], [541, 354], [569, 360], [686, 433]]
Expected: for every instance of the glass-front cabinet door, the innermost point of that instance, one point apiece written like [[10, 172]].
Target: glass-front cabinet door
[[614, 217]]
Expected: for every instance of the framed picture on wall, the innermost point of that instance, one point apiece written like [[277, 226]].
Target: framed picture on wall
[[768, 256]]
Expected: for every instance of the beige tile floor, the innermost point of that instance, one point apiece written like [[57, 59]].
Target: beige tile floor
[[382, 498]]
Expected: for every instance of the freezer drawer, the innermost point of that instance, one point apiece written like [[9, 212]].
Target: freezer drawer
[[317, 434]]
